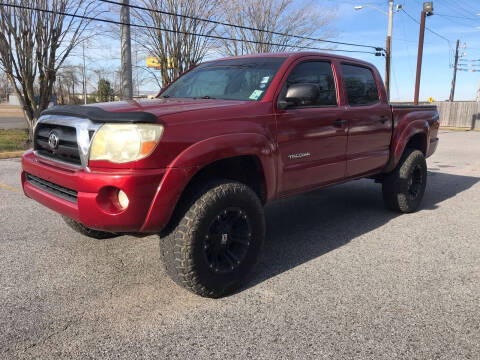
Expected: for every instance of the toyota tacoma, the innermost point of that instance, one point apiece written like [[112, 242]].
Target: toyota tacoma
[[197, 164]]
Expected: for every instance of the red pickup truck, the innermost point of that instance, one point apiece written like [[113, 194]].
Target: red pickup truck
[[198, 163]]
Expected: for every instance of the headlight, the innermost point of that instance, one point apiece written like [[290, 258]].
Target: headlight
[[121, 143]]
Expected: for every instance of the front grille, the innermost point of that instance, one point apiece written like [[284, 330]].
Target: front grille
[[60, 191], [67, 149]]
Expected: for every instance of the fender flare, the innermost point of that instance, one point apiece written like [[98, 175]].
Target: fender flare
[[401, 139], [194, 158]]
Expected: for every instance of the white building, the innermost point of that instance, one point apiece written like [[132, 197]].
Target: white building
[[13, 99]]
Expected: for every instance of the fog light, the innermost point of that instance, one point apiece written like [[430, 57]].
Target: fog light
[[122, 199]]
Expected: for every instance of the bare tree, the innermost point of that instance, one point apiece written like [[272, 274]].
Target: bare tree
[[4, 86], [68, 77], [281, 16], [35, 43], [185, 51]]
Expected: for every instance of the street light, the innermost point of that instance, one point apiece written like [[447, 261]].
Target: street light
[[360, 7], [388, 49]]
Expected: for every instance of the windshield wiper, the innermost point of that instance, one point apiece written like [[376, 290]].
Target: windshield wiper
[[165, 96], [207, 97]]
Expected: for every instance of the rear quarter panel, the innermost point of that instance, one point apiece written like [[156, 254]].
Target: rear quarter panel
[[409, 121]]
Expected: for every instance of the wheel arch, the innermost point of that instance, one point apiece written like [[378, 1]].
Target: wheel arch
[[414, 135], [246, 158]]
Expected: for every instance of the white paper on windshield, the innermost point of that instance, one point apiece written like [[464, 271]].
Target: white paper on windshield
[[256, 94]]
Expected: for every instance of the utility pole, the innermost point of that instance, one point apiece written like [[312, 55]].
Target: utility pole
[[136, 72], [84, 73], [454, 80], [388, 57], [388, 47], [419, 57], [126, 48], [478, 92], [427, 11]]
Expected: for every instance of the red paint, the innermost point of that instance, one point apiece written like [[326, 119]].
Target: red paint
[[200, 132]]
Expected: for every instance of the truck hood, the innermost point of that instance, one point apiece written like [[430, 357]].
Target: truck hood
[[162, 107]]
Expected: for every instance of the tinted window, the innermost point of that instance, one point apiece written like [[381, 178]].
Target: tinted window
[[235, 79], [318, 73], [360, 85]]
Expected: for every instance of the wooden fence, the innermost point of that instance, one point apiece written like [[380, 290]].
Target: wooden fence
[[461, 114]]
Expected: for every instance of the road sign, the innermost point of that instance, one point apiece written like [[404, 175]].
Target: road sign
[[155, 62]]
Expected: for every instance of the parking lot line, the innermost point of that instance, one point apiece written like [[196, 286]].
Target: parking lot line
[[8, 187]]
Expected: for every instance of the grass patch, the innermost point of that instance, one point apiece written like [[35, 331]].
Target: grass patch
[[13, 140]]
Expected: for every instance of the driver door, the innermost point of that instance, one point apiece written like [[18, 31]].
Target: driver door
[[311, 135]]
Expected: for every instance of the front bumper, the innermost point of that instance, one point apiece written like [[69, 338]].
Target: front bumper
[[93, 206]]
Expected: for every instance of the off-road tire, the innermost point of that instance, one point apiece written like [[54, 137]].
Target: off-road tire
[[404, 187], [81, 229], [183, 248]]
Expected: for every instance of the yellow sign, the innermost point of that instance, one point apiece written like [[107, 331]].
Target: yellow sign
[[154, 62], [430, 99]]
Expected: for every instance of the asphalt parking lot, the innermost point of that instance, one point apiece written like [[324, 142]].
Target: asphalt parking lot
[[341, 278]]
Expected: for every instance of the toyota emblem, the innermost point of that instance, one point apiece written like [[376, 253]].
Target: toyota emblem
[[53, 140]]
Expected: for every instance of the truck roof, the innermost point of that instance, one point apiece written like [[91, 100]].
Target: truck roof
[[296, 54]]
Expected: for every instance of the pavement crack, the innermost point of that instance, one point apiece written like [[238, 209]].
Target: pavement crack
[[62, 329]]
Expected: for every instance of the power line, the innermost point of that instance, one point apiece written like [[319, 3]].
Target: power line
[[457, 8], [427, 28], [377, 53], [468, 70], [461, 7], [240, 26], [458, 17], [467, 64], [453, 20]]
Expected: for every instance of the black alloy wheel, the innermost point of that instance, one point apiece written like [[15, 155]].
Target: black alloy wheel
[[227, 240], [415, 182]]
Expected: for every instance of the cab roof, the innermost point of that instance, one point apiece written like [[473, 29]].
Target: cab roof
[[295, 55]]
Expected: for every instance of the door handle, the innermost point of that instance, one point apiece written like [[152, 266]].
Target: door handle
[[339, 122], [384, 119]]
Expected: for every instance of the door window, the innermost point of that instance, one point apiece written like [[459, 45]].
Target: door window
[[360, 85], [318, 73]]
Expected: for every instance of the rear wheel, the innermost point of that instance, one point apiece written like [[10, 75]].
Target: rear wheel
[[218, 242], [81, 229], [404, 187]]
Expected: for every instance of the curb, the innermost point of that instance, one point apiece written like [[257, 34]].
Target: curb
[[11, 154], [457, 128]]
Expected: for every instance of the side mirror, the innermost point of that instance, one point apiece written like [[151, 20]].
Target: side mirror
[[298, 94]]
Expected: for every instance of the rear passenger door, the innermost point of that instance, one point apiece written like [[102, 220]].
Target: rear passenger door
[[311, 136], [369, 120]]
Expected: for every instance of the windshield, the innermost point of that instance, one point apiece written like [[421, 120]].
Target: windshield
[[236, 79]]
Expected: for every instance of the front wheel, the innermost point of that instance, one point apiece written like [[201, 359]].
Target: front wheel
[[218, 241], [404, 187]]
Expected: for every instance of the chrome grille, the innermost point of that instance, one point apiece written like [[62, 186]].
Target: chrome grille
[[67, 149], [73, 138]]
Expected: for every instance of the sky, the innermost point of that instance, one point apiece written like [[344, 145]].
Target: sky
[[452, 20]]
